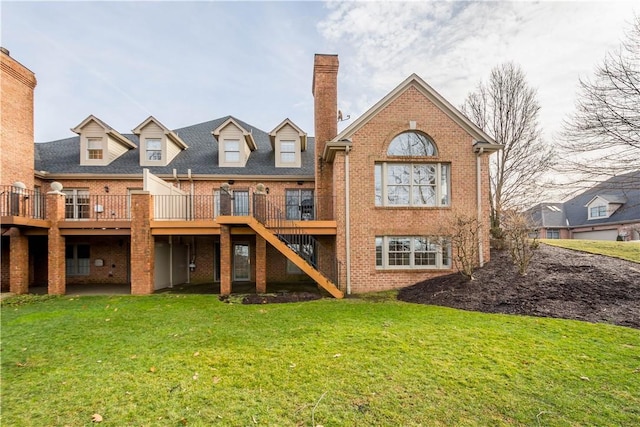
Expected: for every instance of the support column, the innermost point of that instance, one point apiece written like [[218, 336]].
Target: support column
[[142, 244], [57, 274], [225, 260], [18, 262], [261, 265]]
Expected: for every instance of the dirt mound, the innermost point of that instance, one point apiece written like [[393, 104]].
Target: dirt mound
[[559, 283]]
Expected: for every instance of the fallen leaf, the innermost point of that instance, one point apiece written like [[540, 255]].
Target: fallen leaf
[[96, 418], [152, 369], [195, 376], [584, 378], [293, 365], [216, 380], [107, 320], [196, 354], [337, 355]]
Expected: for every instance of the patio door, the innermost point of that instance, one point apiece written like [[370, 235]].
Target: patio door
[[241, 262]]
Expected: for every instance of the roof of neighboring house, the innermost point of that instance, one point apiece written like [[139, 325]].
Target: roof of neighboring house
[[624, 187], [623, 190], [201, 156], [548, 215]]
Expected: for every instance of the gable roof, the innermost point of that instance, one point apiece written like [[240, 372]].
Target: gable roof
[[248, 136], [621, 187], [60, 158], [302, 134], [107, 129], [170, 134], [609, 198], [415, 81]]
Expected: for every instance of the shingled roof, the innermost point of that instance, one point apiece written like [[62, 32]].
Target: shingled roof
[[63, 156]]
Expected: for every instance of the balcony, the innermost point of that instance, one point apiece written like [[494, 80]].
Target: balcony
[[19, 206]]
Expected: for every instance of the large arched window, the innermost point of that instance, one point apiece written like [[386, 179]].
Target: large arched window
[[412, 143]]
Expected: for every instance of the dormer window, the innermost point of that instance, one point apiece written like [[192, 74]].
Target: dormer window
[[288, 142], [604, 205], [287, 152], [94, 149], [235, 143], [100, 144], [154, 149], [158, 145], [231, 150], [598, 212]]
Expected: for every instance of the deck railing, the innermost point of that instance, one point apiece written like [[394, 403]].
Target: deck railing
[[238, 203], [16, 201], [98, 207]]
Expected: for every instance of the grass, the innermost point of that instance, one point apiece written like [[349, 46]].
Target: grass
[[624, 250], [173, 360]]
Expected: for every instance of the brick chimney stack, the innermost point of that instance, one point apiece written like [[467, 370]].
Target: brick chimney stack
[[325, 97], [16, 138]]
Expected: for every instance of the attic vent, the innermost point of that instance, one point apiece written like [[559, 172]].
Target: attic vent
[[554, 208]]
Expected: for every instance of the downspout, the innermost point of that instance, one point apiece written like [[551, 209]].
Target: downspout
[[348, 220], [479, 195]]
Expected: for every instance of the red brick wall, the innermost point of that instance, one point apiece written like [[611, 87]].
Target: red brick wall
[[112, 250], [16, 137], [370, 145]]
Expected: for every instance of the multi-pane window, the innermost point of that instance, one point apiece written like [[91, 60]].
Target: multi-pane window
[[76, 204], [416, 252], [287, 152], [553, 234], [412, 184], [299, 204], [598, 211], [154, 149], [231, 151], [94, 149], [77, 260]]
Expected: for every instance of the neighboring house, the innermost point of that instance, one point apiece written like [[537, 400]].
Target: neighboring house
[[608, 211], [223, 201]]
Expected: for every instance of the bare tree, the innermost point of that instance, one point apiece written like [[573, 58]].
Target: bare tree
[[602, 138], [507, 109], [465, 234]]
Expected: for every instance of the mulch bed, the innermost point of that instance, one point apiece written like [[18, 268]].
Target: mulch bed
[[559, 283]]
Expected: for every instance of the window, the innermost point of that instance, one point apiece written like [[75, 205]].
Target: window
[[412, 184], [412, 252], [411, 144], [76, 204], [154, 149], [231, 151], [287, 152], [94, 148], [299, 204], [553, 234], [77, 260], [598, 212]]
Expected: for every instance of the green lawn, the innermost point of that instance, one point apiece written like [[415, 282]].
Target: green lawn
[[624, 250], [173, 360]]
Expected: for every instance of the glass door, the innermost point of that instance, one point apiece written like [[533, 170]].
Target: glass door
[[241, 262]]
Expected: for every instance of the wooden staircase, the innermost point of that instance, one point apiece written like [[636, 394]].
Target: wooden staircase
[[284, 249]]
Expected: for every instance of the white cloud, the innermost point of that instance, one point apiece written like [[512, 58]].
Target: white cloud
[[454, 45]]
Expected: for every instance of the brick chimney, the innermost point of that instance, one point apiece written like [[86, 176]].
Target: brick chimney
[[325, 102], [16, 138], [325, 96]]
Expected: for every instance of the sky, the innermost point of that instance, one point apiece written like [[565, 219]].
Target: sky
[[190, 62]]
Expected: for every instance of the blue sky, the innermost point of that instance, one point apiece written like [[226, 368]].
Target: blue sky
[[190, 62]]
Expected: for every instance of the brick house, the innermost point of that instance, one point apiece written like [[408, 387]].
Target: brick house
[[609, 210], [225, 202]]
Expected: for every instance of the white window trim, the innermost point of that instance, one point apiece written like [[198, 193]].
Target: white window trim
[[439, 193], [225, 144], [146, 151], [441, 242], [291, 152], [606, 211], [100, 142], [73, 194]]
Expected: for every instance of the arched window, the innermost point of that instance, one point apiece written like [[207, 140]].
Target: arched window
[[411, 143]]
